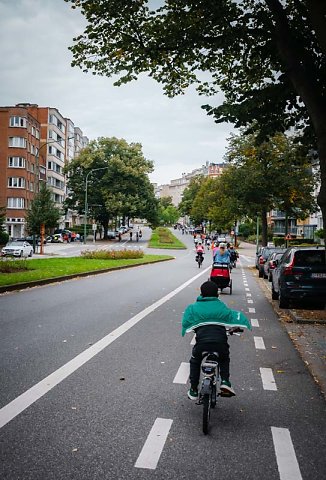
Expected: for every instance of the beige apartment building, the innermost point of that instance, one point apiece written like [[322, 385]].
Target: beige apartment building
[[176, 187], [35, 145]]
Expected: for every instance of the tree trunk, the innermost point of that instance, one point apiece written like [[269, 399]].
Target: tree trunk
[[105, 225], [264, 227], [297, 66]]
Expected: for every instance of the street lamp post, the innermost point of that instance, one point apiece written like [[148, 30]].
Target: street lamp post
[[86, 204]]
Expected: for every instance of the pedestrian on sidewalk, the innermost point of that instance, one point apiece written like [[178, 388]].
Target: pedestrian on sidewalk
[[130, 235], [137, 236]]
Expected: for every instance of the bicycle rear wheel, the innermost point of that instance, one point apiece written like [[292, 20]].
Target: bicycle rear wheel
[[206, 412]]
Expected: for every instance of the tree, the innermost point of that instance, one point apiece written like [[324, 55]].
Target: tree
[[274, 175], [167, 212], [42, 210], [118, 183], [189, 194], [4, 237], [267, 57]]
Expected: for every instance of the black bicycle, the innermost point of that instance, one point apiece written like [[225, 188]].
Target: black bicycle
[[208, 392], [199, 258]]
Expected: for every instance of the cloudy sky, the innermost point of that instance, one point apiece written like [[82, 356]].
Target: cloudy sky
[[35, 67]]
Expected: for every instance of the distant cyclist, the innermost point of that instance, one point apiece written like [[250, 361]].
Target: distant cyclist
[[222, 255]]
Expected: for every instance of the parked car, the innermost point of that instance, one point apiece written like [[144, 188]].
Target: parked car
[[17, 248], [261, 258], [300, 274], [270, 263], [123, 229], [29, 239], [112, 234], [57, 238]]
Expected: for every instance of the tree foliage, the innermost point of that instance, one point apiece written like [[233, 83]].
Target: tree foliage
[[168, 214], [117, 182], [268, 57], [42, 210]]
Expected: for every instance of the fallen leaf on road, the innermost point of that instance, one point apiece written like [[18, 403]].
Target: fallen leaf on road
[[280, 371], [274, 347], [75, 450]]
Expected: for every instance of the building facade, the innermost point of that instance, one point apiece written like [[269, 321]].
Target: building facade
[[21, 169], [35, 145]]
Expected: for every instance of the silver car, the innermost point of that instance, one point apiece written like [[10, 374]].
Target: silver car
[[17, 249]]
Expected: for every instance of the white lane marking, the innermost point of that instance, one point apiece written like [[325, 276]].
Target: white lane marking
[[268, 379], [252, 310], [254, 322], [19, 404], [182, 374], [247, 289], [259, 343], [193, 340], [287, 462], [152, 449], [248, 294], [249, 300]]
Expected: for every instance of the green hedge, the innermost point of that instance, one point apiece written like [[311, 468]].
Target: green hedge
[[112, 254]]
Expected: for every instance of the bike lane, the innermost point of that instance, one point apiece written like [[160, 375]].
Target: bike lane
[[96, 423]]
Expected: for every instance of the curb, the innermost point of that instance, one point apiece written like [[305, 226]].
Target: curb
[[293, 326], [47, 281]]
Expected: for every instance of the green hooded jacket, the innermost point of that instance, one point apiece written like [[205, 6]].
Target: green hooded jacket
[[211, 311]]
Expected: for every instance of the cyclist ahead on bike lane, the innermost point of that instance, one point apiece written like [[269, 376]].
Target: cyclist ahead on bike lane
[[208, 317]]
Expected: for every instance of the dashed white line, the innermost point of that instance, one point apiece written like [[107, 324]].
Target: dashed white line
[[248, 294], [249, 300], [247, 289], [19, 404], [254, 322], [287, 463], [152, 449], [259, 343], [268, 379], [182, 374], [252, 310]]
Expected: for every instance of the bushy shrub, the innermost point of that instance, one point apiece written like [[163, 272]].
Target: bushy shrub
[[4, 237], [301, 241], [11, 266], [278, 241], [112, 254]]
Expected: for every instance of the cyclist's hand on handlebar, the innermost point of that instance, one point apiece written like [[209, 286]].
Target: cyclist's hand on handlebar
[[233, 330]]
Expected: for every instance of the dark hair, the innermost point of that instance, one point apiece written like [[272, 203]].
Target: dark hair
[[209, 289]]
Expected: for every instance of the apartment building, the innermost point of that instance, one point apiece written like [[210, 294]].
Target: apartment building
[[177, 186], [35, 144], [21, 168]]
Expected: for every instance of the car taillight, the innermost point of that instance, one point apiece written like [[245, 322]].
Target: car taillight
[[288, 270], [261, 260]]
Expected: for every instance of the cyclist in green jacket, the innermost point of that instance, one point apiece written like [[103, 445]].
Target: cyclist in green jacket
[[208, 317]]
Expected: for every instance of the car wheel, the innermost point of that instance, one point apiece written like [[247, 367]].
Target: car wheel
[[264, 275], [269, 277], [31, 253], [21, 254], [274, 294], [283, 302], [260, 274]]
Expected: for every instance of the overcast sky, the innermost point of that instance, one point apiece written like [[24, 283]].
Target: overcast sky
[[35, 67]]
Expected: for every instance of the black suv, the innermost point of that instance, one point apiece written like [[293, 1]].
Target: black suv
[[300, 274]]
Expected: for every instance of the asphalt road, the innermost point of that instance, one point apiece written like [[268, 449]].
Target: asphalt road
[[93, 376]]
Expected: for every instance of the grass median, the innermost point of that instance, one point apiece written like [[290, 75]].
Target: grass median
[[43, 269], [163, 238]]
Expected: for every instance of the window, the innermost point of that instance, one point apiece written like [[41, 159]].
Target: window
[[18, 122], [31, 186], [33, 131], [37, 133], [15, 202], [16, 162], [16, 182], [19, 142]]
